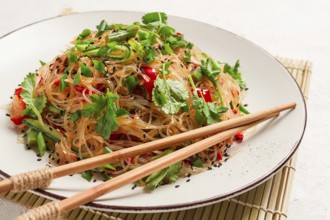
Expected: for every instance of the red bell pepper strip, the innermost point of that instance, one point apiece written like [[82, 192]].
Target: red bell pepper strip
[[152, 75], [18, 119]]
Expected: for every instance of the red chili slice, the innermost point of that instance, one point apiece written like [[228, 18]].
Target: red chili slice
[[219, 155], [205, 93], [239, 137], [79, 88]]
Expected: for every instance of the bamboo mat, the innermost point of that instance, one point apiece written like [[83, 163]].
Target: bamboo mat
[[267, 201]]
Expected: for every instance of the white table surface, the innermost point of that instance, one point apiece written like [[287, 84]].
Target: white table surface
[[298, 29]]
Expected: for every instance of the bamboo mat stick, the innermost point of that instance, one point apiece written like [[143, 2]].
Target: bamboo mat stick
[[55, 209], [42, 178]]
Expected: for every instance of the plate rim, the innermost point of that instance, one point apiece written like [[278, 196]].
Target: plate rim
[[188, 205]]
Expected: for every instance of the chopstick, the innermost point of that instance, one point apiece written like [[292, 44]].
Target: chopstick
[[43, 177], [55, 209]]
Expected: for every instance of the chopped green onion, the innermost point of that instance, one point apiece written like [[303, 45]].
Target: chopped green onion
[[167, 49], [75, 116], [84, 34], [31, 137], [41, 144], [107, 150], [243, 109], [87, 175], [76, 79], [42, 63], [108, 166], [63, 83], [72, 58], [130, 82], [99, 65], [85, 70]]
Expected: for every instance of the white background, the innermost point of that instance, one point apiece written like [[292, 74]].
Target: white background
[[294, 29]]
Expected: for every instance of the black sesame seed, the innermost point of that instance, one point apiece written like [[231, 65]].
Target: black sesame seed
[[246, 89], [226, 159], [209, 168], [71, 175], [19, 84], [177, 186], [189, 175], [11, 97], [38, 155], [58, 161], [29, 148], [94, 180], [245, 105], [49, 155], [39, 159], [226, 154], [188, 180], [7, 114]]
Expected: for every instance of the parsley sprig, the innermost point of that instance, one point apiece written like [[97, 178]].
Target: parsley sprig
[[34, 104], [105, 112], [166, 175], [206, 112], [235, 73], [169, 94]]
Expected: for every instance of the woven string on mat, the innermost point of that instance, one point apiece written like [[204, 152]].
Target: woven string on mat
[[267, 201]]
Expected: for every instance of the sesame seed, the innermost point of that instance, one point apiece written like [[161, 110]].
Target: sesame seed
[[58, 161], [188, 180], [39, 159], [8, 115], [177, 186], [209, 168]]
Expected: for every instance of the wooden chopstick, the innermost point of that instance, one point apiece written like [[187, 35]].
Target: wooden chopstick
[[58, 208], [98, 161]]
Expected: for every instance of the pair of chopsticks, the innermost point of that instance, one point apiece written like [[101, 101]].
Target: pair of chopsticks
[[220, 131]]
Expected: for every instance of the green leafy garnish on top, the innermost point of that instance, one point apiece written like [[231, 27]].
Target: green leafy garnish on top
[[34, 104], [166, 175], [169, 94], [234, 72], [105, 112]]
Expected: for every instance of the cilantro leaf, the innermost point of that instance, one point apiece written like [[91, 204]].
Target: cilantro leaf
[[104, 111], [170, 95], [85, 70], [34, 105], [207, 112], [131, 82], [149, 55], [76, 79], [210, 69], [233, 72], [87, 175], [166, 175], [99, 65], [166, 31], [154, 17]]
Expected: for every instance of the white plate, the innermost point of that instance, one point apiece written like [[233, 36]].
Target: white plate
[[264, 151]]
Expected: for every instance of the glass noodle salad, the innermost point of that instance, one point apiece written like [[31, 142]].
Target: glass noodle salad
[[123, 85]]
